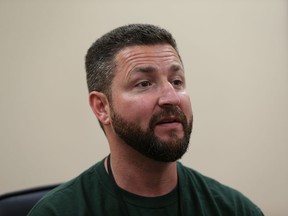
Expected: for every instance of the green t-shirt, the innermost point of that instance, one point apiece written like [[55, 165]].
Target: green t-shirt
[[92, 194]]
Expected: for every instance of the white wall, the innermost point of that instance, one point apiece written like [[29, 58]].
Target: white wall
[[235, 55]]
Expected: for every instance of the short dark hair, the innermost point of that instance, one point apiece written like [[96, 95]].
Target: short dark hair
[[100, 56]]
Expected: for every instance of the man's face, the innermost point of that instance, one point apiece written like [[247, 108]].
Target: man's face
[[150, 109]]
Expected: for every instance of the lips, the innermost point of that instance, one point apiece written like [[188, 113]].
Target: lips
[[170, 116], [169, 119]]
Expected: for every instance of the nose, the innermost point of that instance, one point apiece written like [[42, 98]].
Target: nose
[[168, 96]]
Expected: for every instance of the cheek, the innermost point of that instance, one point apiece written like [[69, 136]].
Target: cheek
[[186, 105], [142, 109], [135, 109]]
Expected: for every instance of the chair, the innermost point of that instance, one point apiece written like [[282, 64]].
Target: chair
[[19, 203]]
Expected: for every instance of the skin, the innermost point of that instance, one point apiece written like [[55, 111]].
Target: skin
[[147, 79]]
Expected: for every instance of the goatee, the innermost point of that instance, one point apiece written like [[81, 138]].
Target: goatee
[[147, 143]]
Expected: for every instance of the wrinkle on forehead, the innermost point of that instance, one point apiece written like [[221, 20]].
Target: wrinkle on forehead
[[130, 57], [150, 51]]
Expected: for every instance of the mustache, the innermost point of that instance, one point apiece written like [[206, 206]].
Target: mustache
[[166, 112]]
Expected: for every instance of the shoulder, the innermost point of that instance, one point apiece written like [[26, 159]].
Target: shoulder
[[67, 196], [214, 194]]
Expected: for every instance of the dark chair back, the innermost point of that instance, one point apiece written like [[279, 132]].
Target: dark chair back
[[19, 203]]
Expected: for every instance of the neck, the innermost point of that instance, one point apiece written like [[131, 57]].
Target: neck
[[140, 175]]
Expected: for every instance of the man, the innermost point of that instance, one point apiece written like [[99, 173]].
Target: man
[[137, 91]]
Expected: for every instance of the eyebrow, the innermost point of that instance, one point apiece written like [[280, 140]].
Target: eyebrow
[[151, 69], [145, 69], [176, 67]]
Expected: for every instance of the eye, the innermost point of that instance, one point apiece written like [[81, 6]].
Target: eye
[[143, 84], [177, 83]]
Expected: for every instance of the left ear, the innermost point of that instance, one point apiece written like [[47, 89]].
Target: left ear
[[100, 106]]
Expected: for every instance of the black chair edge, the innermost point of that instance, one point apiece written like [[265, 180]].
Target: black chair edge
[[19, 203]]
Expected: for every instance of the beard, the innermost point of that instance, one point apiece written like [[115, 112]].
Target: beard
[[147, 143]]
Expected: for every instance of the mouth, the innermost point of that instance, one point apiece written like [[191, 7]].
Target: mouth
[[169, 126], [169, 120]]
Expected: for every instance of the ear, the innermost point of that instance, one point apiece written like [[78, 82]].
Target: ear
[[100, 105]]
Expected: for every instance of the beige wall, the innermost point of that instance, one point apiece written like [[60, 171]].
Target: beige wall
[[235, 55]]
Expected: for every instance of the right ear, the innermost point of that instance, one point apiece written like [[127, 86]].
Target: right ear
[[100, 105]]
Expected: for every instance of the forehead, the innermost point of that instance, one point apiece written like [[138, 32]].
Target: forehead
[[157, 55]]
